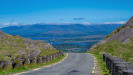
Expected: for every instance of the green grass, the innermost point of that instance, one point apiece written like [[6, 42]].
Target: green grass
[[29, 67], [115, 48], [130, 26], [15, 45], [102, 69]]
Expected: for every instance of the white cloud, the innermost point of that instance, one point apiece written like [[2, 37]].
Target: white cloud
[[120, 22], [10, 24], [86, 23], [6, 24], [66, 23], [14, 23]]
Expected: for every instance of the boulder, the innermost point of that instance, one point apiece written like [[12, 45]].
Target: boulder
[[4, 64]]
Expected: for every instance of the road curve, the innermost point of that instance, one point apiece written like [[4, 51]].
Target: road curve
[[75, 64]]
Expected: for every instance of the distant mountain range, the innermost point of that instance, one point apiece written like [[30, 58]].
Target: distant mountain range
[[41, 30], [66, 36]]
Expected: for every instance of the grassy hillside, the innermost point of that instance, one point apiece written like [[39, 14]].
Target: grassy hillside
[[116, 48], [16, 46], [119, 43]]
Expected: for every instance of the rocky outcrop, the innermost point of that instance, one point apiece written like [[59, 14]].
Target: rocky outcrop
[[16, 51], [130, 22], [124, 33]]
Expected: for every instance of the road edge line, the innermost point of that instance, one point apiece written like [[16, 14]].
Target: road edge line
[[94, 70], [66, 56]]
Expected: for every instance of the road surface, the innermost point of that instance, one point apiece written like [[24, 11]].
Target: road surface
[[75, 64]]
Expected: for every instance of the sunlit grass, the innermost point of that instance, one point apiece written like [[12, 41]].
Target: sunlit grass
[[102, 69], [115, 48]]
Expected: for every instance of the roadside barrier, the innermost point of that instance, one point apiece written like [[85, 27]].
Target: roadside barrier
[[118, 66], [22, 61]]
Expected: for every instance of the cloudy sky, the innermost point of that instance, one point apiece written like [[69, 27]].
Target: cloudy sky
[[64, 11]]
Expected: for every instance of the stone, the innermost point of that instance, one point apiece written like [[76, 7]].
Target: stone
[[4, 64]]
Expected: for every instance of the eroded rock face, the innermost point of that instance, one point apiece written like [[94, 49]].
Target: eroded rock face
[[125, 33], [22, 52], [35, 53], [48, 46]]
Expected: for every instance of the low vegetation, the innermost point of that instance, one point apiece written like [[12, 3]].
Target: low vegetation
[[29, 67], [19, 54], [15, 46], [130, 26], [115, 48], [102, 69]]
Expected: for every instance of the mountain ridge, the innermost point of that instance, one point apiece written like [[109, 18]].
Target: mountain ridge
[[54, 29], [124, 33], [119, 44]]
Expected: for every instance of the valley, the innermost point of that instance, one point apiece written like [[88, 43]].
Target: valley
[[67, 38]]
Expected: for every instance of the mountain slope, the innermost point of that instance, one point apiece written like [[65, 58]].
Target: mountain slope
[[119, 43], [123, 33], [15, 46]]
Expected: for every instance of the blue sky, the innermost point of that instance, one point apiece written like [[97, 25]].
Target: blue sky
[[64, 11]]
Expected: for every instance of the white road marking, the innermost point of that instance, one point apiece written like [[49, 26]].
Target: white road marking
[[44, 66], [95, 63], [93, 72]]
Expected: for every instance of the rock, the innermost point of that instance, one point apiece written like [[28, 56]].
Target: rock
[[35, 53], [130, 22], [22, 52], [124, 34], [44, 59], [4, 64], [38, 59], [128, 72], [16, 63]]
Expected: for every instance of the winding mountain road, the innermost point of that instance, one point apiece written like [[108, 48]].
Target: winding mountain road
[[74, 64]]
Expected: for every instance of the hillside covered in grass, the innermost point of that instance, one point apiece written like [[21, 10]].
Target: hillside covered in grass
[[119, 43], [16, 46]]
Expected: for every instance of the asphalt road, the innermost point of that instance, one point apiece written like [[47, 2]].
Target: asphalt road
[[75, 64]]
